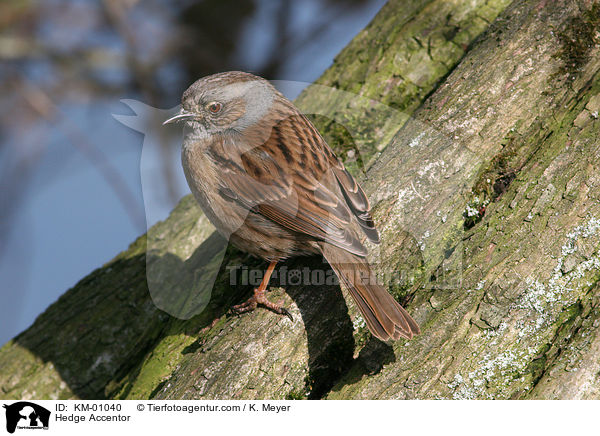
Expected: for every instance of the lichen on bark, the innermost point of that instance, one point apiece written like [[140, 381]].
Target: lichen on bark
[[508, 305]]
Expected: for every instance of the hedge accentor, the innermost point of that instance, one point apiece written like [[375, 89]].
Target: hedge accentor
[[269, 183]]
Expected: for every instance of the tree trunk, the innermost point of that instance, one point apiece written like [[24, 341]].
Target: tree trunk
[[486, 189]]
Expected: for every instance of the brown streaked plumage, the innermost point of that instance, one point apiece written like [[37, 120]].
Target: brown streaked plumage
[[269, 183]]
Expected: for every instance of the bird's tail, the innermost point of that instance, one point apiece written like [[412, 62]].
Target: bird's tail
[[385, 318]]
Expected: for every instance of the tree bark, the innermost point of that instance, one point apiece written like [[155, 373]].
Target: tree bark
[[485, 186]]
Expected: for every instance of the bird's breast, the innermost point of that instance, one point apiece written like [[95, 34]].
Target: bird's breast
[[204, 179]]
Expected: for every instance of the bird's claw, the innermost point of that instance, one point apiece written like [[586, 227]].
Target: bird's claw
[[259, 298], [287, 313]]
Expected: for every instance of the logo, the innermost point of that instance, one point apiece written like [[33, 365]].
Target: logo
[[26, 415]]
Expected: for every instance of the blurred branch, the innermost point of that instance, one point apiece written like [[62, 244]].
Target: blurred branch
[[22, 48], [43, 105], [288, 41], [116, 13], [15, 169]]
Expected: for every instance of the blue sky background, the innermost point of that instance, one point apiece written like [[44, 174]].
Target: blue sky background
[[68, 221]]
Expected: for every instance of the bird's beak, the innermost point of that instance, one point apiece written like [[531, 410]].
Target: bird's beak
[[182, 115]]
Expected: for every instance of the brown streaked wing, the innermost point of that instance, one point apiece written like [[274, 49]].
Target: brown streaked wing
[[245, 184], [289, 179], [358, 202], [353, 194]]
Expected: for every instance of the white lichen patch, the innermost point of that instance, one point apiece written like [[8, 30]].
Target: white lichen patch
[[463, 127], [415, 141], [509, 349], [432, 170], [539, 300], [494, 374], [492, 333], [103, 359], [474, 206], [358, 322], [406, 195], [587, 230], [471, 211]]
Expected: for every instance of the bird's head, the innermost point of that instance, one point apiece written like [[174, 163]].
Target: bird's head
[[231, 100]]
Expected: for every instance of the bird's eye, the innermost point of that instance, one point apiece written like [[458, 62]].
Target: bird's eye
[[214, 107]]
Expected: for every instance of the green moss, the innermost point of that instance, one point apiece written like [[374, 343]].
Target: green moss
[[149, 344], [495, 178], [474, 211], [295, 394], [339, 139], [566, 323], [428, 39], [155, 367], [577, 39], [361, 337]]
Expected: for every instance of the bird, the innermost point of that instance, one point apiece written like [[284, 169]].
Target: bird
[[270, 184]]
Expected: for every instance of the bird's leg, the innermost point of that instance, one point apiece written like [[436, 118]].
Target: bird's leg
[[259, 297]]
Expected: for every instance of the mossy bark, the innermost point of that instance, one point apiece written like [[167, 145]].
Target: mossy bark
[[486, 189]]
